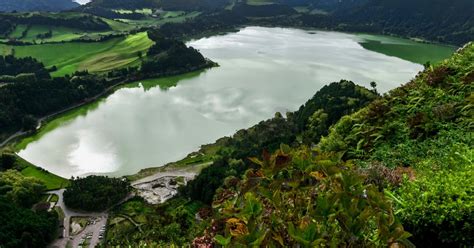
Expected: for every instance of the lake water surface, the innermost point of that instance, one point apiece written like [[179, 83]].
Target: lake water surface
[[262, 71]]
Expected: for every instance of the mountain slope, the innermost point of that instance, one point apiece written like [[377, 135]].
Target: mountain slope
[[165, 4], [37, 5], [438, 20]]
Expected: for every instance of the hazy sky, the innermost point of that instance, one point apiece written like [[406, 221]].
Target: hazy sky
[[82, 1]]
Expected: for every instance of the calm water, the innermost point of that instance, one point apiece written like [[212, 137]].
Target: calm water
[[262, 70]]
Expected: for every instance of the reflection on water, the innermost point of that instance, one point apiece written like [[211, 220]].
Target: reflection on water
[[262, 70]]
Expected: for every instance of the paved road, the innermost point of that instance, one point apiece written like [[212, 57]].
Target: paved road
[[94, 230], [68, 213]]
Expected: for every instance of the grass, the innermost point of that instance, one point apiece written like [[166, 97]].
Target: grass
[[54, 198], [59, 33], [117, 25], [95, 57], [50, 180], [18, 31], [413, 51], [60, 212]]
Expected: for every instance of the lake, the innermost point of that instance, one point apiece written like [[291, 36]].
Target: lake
[[262, 71]]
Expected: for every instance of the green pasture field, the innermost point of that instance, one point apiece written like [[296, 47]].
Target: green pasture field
[[50, 180], [95, 57]]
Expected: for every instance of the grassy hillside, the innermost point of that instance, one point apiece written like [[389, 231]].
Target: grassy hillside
[[95, 57]]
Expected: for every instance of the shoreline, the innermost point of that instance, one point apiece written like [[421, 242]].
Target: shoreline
[[42, 121]]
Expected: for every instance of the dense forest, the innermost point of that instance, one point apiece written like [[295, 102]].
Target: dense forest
[[82, 21], [169, 56], [440, 20], [22, 224], [183, 5], [36, 5], [22, 103], [11, 68], [95, 193]]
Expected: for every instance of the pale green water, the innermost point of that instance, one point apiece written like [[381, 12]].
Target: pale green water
[[262, 70]]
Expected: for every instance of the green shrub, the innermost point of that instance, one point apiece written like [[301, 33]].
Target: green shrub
[[438, 208]]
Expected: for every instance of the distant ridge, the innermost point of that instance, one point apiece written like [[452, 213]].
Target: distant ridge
[[36, 5]]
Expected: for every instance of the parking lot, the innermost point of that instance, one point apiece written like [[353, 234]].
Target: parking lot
[[92, 234]]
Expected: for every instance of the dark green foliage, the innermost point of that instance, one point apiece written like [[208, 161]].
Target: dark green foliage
[[7, 161], [11, 66], [425, 126], [22, 102], [186, 5], [37, 5], [436, 20], [206, 23], [20, 190], [336, 100], [95, 193], [6, 27], [22, 227], [82, 22], [266, 10], [169, 56], [122, 4], [193, 5]]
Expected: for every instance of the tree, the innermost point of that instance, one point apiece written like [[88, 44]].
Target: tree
[[95, 193], [374, 86], [7, 161]]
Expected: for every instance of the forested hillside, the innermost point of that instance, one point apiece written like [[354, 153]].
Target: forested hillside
[[36, 5], [437, 20]]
